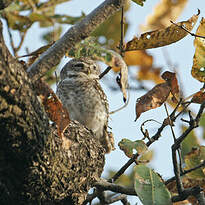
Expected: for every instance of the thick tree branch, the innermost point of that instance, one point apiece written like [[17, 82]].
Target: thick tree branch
[[75, 34]]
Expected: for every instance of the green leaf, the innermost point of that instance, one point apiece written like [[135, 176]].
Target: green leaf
[[188, 143], [194, 158], [127, 146], [149, 187], [139, 2], [202, 124]]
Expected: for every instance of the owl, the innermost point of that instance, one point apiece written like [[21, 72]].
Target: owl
[[81, 94]]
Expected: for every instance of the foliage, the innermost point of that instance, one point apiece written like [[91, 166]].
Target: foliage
[[147, 184]]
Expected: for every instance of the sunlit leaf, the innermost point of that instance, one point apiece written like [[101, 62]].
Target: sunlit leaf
[[149, 187], [194, 158], [198, 68], [146, 73], [146, 157], [128, 146], [164, 11], [161, 37], [139, 2]]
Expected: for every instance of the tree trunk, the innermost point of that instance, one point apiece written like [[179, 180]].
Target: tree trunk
[[37, 166]]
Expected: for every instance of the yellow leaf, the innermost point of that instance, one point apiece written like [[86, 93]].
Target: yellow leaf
[[164, 11], [161, 37], [198, 68]]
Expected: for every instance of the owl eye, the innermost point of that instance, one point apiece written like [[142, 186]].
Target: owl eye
[[79, 65]]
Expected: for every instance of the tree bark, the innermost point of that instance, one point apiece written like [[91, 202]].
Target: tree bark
[[36, 166]]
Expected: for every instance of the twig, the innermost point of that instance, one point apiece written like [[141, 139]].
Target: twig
[[121, 46], [105, 185], [105, 72], [173, 134], [186, 172], [52, 56], [152, 139], [192, 34], [121, 108], [193, 123]]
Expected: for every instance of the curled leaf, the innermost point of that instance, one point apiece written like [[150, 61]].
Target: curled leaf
[[53, 107], [152, 99], [128, 146], [172, 80], [163, 37], [198, 68]]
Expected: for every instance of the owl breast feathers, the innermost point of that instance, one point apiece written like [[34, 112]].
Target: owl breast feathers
[[80, 92]]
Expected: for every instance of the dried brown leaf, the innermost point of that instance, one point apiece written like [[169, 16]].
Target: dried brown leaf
[[170, 78], [198, 97], [153, 98], [161, 37]]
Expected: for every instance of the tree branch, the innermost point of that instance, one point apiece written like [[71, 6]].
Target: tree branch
[[75, 34]]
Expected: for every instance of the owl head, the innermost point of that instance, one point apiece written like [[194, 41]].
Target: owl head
[[80, 66]]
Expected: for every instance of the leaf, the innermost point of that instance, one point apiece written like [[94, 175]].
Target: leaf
[[198, 97], [163, 37], [164, 11], [194, 158], [110, 29], [146, 157], [188, 143], [198, 68], [149, 187], [127, 146], [139, 2], [152, 99], [89, 48], [202, 124], [172, 81], [53, 107]]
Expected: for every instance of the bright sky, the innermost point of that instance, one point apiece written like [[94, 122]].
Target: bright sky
[[122, 123]]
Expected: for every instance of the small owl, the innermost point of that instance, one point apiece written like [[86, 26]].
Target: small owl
[[80, 92]]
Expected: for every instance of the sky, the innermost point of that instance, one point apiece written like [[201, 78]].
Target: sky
[[122, 123]]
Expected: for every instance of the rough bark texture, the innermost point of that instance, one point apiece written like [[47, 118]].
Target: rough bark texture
[[75, 34], [35, 165]]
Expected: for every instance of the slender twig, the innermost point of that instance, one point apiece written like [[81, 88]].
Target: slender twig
[[105, 72], [152, 139], [121, 46], [125, 105], [193, 123], [192, 34], [174, 137], [186, 172]]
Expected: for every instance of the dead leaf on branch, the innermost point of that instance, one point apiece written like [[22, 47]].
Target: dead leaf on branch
[[157, 95], [53, 107], [172, 80], [198, 97], [198, 68], [162, 37]]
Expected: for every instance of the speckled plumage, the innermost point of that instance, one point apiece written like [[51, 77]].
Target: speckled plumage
[[80, 92]]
